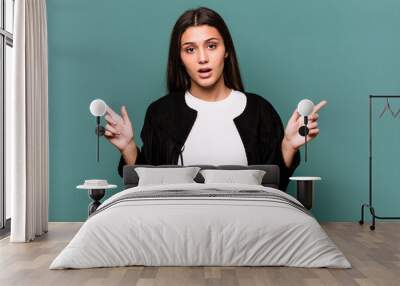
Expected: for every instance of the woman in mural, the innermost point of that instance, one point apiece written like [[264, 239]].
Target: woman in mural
[[207, 117]]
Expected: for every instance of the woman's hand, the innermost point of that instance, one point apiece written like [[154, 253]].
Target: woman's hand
[[292, 136], [119, 129]]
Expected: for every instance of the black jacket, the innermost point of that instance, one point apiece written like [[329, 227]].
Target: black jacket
[[169, 119]]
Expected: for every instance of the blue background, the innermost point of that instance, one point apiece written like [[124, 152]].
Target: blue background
[[340, 51]]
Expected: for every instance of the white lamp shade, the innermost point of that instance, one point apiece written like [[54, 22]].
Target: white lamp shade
[[98, 107], [305, 107]]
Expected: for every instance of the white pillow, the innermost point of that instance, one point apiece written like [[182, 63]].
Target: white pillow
[[162, 176], [249, 177]]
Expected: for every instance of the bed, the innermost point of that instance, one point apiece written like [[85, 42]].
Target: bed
[[201, 224]]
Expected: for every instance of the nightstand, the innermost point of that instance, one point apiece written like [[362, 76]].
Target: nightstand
[[96, 191], [305, 190]]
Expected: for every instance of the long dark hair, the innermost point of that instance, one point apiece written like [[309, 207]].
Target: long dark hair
[[177, 77]]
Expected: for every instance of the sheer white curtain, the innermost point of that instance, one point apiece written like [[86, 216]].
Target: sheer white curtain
[[27, 124]]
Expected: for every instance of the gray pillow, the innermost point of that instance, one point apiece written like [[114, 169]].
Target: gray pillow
[[162, 176], [249, 177]]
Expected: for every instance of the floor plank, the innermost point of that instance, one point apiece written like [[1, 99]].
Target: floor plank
[[374, 255]]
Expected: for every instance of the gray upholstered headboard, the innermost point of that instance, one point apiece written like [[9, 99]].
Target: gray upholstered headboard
[[270, 179]]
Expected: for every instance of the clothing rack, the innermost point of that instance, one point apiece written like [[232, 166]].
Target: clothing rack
[[369, 205]]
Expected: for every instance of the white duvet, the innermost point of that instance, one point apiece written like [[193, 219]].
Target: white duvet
[[200, 231]]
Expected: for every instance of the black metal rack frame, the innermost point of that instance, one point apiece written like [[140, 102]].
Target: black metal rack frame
[[369, 205]]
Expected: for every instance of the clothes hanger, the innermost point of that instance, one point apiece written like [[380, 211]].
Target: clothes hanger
[[397, 113], [387, 107]]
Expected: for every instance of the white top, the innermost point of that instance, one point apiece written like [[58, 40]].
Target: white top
[[87, 187], [96, 184], [305, 178], [214, 138]]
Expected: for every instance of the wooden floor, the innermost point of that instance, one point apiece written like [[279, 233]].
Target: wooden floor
[[374, 255]]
